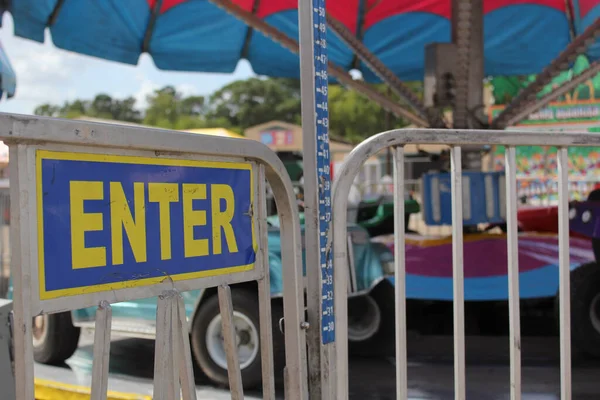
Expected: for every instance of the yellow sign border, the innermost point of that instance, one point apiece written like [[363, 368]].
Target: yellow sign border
[[139, 160]]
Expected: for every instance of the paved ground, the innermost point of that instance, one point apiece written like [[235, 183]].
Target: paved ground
[[430, 373]]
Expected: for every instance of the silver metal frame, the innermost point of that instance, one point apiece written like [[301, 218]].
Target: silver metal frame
[[25, 134], [454, 138], [317, 191]]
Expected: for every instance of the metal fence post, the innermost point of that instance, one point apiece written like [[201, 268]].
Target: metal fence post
[[564, 274], [23, 339], [101, 351], [317, 199], [513, 274]]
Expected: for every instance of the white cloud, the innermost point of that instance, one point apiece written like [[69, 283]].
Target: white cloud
[[146, 88], [46, 74], [187, 89]]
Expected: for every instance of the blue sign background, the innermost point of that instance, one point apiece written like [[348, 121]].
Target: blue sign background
[[57, 170]]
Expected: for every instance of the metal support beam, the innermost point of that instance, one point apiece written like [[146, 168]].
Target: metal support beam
[[334, 70], [376, 65], [461, 36], [564, 88], [467, 34], [528, 95]]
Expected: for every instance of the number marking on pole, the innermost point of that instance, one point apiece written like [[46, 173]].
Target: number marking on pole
[[323, 170]]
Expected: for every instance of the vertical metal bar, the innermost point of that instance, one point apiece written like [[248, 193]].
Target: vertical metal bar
[[264, 293], [400, 276], [341, 284], [163, 357], [564, 274], [175, 354], [229, 337], [101, 351], [316, 162], [513, 274], [457, 274], [21, 263], [186, 371], [351, 268]]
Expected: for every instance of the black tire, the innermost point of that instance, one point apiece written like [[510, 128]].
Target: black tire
[[246, 302], [381, 344], [595, 196], [58, 339], [585, 293]]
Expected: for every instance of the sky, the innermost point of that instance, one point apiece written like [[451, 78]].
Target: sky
[[46, 74]]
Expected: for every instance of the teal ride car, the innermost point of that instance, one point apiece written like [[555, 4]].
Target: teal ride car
[[56, 336]]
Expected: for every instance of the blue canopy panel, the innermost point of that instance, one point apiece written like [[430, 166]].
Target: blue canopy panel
[[271, 59], [521, 36], [8, 79], [585, 12]]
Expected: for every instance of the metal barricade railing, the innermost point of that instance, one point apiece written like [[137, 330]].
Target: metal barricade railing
[[38, 146], [4, 242], [454, 138]]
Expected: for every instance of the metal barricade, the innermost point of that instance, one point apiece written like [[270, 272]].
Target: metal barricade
[[454, 138], [50, 155]]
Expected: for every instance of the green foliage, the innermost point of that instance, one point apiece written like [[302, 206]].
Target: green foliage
[[257, 100], [354, 117], [102, 106], [237, 106]]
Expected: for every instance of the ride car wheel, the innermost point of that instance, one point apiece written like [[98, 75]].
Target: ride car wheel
[[381, 344], [595, 196], [55, 339], [585, 309], [364, 318], [208, 345]]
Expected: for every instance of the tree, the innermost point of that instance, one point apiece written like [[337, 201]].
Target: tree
[[168, 109], [354, 117], [124, 110], [237, 106], [257, 100], [47, 110], [193, 105], [103, 106]]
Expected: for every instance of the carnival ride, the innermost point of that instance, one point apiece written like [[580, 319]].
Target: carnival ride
[[373, 37]]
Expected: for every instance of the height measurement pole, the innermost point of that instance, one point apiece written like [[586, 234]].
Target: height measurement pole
[[317, 198]]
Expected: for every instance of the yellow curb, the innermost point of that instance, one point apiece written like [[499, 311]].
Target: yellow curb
[[51, 390]]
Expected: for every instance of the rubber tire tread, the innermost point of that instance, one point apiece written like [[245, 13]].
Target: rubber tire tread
[[595, 196], [61, 341], [585, 284]]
